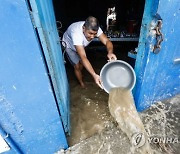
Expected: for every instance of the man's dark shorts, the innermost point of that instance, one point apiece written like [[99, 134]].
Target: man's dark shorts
[[72, 56]]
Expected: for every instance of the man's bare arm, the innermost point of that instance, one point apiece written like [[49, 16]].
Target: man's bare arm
[[87, 64], [109, 46]]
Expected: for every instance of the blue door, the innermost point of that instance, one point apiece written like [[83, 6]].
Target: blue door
[[43, 17], [158, 59], [29, 119]]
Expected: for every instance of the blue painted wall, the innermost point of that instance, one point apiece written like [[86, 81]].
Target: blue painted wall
[[28, 111]]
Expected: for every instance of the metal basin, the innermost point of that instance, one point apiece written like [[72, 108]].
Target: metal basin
[[117, 74]]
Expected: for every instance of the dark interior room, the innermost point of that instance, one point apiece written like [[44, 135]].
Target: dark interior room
[[126, 23]]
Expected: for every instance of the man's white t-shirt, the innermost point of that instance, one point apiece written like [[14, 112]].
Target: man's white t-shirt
[[74, 35]]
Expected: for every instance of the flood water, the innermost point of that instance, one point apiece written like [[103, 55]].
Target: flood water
[[90, 113], [122, 108], [89, 106]]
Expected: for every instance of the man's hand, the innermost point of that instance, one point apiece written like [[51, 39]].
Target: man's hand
[[97, 80], [111, 56]]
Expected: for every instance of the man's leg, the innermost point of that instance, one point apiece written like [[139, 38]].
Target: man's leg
[[76, 62], [78, 72]]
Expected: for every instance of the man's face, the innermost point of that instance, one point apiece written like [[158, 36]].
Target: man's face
[[89, 34]]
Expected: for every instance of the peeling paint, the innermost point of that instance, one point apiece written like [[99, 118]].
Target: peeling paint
[[8, 118]]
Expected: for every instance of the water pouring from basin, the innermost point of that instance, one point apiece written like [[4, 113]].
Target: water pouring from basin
[[117, 73], [118, 79]]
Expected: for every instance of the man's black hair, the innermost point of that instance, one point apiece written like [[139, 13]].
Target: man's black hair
[[91, 23]]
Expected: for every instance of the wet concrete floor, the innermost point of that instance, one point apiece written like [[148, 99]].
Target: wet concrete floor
[[93, 130], [162, 119]]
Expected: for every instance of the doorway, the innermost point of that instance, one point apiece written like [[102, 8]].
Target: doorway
[[89, 107]]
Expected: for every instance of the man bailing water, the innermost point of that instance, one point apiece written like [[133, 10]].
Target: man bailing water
[[77, 37]]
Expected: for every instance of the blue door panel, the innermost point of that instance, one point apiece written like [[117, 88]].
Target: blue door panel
[[43, 14], [28, 111], [157, 74]]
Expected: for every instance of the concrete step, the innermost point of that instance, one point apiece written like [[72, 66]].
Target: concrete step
[[112, 141]]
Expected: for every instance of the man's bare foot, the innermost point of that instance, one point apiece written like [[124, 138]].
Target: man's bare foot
[[82, 85]]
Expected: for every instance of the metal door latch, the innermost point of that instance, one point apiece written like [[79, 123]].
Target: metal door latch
[[159, 37]]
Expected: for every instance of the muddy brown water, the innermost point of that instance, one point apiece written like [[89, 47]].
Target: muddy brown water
[[89, 106], [90, 113], [122, 108]]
